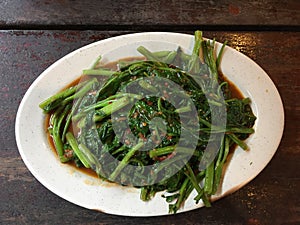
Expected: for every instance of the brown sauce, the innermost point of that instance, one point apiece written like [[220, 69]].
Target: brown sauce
[[235, 93]]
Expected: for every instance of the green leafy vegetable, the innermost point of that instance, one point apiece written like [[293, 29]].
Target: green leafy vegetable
[[150, 134]]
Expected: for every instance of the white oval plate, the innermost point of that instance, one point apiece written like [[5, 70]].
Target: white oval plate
[[92, 193]]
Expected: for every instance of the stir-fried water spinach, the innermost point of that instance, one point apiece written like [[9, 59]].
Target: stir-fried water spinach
[[128, 131]]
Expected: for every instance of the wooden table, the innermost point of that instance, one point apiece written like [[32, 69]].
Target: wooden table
[[34, 34]]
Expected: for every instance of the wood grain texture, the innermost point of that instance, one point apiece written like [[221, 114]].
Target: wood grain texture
[[271, 198], [151, 13]]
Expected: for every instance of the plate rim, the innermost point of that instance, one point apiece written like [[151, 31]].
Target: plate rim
[[83, 48]]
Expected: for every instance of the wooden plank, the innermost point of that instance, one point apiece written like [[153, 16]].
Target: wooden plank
[[270, 198], [154, 13]]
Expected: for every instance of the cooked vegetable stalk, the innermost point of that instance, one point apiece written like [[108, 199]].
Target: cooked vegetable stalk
[[125, 161], [96, 142], [73, 142]]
